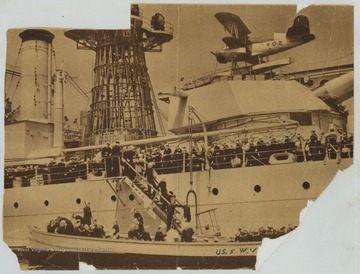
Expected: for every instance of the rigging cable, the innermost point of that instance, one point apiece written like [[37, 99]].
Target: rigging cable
[[12, 75], [77, 87], [157, 109]]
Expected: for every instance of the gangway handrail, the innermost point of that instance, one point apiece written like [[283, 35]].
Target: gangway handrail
[[157, 191]]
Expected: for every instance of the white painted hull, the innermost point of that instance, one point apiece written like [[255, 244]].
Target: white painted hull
[[278, 204]]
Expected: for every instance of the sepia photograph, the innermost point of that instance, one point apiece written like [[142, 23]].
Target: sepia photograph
[[185, 141]]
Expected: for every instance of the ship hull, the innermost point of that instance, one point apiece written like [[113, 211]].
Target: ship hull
[[250, 197]]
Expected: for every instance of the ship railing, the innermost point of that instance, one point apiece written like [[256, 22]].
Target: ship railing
[[219, 159]]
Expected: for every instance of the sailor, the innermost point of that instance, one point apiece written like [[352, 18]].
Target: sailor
[[61, 229], [171, 211], [87, 214], [53, 225], [145, 236], [69, 228], [98, 231], [81, 231], [177, 150], [105, 154], [158, 21], [140, 220], [133, 233], [159, 235], [149, 173], [164, 193], [178, 157], [115, 230], [166, 159], [187, 233], [65, 226], [242, 235], [116, 156], [77, 219], [313, 145], [156, 156], [135, 10], [216, 155], [129, 155], [195, 159]]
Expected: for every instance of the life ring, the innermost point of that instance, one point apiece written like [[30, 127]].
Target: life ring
[[282, 158], [324, 139]]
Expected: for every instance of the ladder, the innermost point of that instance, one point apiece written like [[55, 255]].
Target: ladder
[[140, 186]]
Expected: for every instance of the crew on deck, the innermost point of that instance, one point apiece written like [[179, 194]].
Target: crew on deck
[[221, 154]]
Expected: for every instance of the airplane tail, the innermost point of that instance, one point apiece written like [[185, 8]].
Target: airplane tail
[[301, 27]]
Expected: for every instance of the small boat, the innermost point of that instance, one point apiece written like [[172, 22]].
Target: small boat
[[127, 254]]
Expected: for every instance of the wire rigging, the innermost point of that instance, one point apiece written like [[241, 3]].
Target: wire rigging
[[13, 73]]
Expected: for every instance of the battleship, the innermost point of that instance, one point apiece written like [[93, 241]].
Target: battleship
[[244, 148]]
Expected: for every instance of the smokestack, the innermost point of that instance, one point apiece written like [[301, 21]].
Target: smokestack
[[35, 50]]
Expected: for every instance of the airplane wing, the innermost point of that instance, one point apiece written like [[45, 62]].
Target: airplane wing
[[233, 42], [233, 24]]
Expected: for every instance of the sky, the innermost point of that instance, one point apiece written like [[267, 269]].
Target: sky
[[196, 33]]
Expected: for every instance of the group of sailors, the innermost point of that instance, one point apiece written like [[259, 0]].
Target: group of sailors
[[78, 225], [242, 152], [226, 154], [87, 226], [244, 235]]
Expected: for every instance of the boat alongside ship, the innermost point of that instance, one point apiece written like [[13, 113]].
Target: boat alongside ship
[[147, 254], [249, 163]]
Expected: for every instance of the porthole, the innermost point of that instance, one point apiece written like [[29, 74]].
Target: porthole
[[257, 188], [131, 197], [306, 185], [323, 82], [310, 83], [46, 202], [215, 191], [78, 201], [113, 198], [16, 205]]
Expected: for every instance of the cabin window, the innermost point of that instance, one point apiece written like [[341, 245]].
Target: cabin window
[[131, 197], [113, 198], [46, 202], [78, 201], [16, 205], [257, 188], [304, 118]]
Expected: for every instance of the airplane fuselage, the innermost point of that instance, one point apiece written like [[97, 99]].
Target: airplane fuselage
[[270, 47], [260, 49]]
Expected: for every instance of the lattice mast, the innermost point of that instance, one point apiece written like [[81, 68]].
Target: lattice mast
[[122, 105]]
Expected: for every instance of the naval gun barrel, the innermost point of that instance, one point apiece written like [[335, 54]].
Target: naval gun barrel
[[338, 89]]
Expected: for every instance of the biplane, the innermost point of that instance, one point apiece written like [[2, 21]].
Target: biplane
[[239, 47]]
